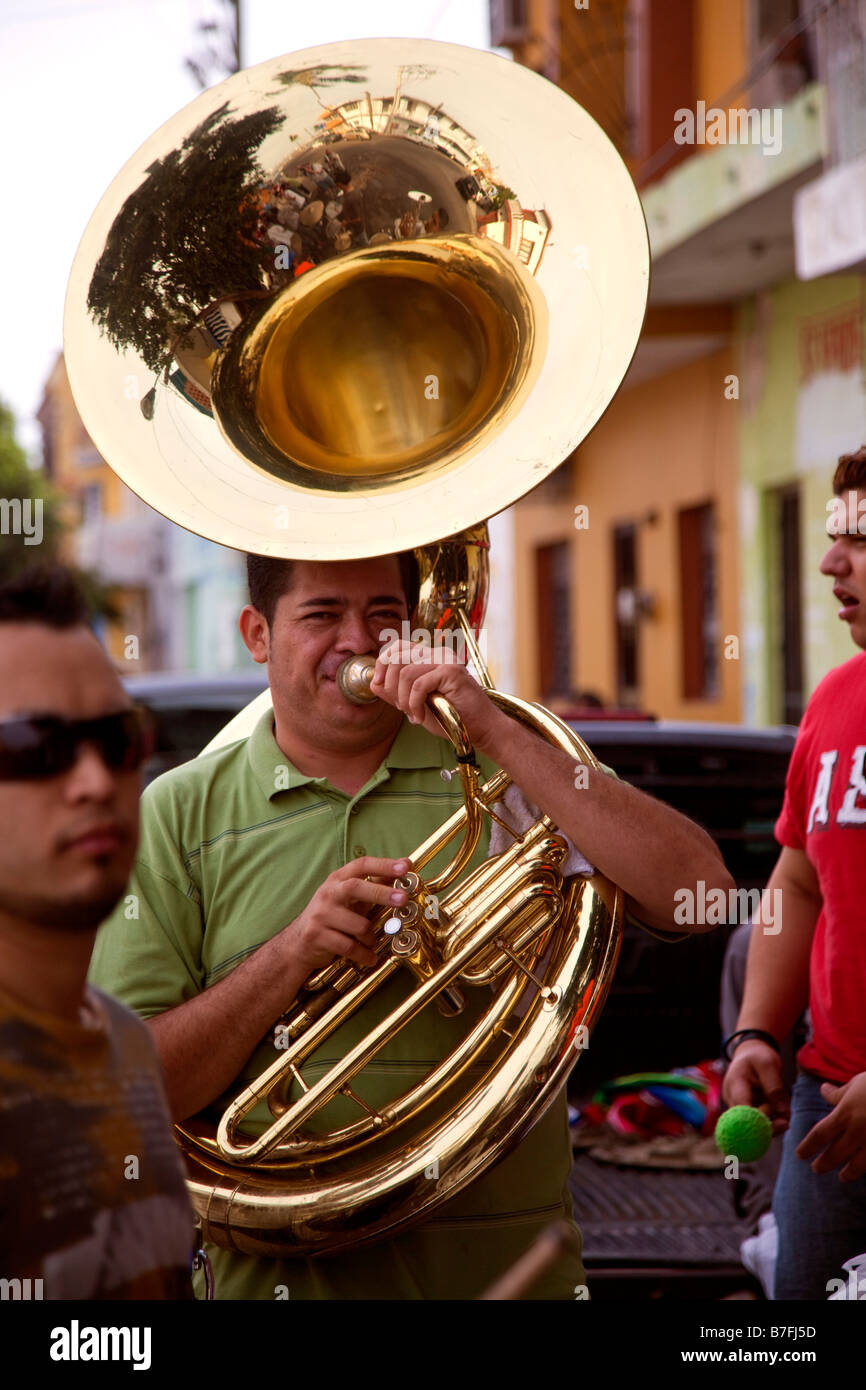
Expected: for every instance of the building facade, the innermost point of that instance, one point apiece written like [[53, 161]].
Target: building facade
[[177, 596], [690, 587]]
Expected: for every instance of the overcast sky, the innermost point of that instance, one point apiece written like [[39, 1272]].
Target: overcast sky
[[83, 83]]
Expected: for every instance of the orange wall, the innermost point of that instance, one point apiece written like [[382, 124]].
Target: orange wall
[[663, 445], [71, 477], [721, 56]]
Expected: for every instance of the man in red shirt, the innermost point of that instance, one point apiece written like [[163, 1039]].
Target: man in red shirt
[[819, 954]]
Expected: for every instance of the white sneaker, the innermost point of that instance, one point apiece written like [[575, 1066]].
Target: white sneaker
[[855, 1288], [759, 1253]]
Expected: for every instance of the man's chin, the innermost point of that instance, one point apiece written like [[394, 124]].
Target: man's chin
[[336, 699], [82, 912], [368, 715]]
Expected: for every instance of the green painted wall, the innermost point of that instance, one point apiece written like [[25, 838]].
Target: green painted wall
[[800, 349]]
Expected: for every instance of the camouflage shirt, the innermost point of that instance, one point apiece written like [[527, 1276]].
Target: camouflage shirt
[[92, 1197]]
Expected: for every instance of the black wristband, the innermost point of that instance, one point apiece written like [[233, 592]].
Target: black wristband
[[743, 1033]]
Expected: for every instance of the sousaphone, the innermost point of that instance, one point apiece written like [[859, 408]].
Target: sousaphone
[[352, 301]]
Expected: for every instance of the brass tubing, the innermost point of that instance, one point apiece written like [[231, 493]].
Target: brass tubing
[[299, 1049], [353, 1061], [311, 1213], [435, 1084]]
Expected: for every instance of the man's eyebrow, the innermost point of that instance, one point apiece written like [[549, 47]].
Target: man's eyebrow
[[337, 602]]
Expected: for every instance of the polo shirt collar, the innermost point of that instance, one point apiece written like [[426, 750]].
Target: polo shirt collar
[[412, 748]]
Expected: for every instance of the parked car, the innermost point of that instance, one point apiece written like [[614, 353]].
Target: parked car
[[188, 711]]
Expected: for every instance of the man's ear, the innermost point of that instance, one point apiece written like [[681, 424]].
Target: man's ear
[[255, 632]]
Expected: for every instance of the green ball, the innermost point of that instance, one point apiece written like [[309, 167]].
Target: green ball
[[744, 1133]]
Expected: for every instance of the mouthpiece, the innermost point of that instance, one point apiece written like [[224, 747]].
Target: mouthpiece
[[353, 679]]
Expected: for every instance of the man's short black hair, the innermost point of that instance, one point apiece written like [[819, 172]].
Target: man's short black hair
[[270, 578], [43, 593], [850, 472]]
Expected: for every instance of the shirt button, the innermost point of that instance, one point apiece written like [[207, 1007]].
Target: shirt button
[[353, 811], [358, 851]]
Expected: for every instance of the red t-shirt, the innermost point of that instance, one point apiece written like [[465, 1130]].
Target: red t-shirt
[[824, 813]]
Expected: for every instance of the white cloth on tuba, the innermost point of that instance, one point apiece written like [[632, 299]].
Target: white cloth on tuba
[[521, 814]]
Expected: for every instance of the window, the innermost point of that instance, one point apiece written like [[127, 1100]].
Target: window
[[660, 80], [91, 504], [840, 62], [553, 609], [46, 417], [85, 453], [626, 616], [787, 643], [699, 624], [508, 20], [783, 65]]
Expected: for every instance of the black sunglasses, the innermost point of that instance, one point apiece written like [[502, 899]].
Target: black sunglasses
[[47, 747]]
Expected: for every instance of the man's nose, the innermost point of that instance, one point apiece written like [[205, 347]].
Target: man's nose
[[835, 560], [90, 778], [355, 635]]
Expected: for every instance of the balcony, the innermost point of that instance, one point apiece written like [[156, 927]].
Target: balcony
[[721, 228], [721, 223]]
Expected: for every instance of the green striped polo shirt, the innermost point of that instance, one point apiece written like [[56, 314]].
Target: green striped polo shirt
[[233, 846]]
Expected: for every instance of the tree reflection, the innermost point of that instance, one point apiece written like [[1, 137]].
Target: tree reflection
[[185, 237]]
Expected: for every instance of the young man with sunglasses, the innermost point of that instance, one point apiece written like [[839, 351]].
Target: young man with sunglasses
[[92, 1198]]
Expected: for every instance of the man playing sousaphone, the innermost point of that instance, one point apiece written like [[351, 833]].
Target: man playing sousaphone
[[259, 863], [348, 371]]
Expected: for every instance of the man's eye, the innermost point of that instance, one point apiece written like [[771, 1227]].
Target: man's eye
[[387, 616], [320, 615]]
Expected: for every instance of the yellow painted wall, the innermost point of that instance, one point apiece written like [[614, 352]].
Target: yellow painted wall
[[71, 477], [664, 445]]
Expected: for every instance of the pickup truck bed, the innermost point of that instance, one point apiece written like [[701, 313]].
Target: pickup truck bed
[[651, 1232]]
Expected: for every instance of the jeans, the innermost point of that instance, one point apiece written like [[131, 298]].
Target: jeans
[[821, 1221]]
